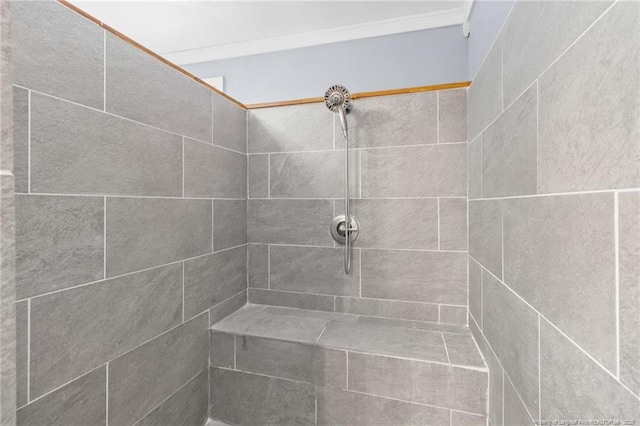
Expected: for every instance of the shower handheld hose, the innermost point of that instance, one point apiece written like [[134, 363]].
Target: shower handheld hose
[[344, 228]]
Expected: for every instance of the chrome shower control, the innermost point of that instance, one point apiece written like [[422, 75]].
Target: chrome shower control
[[338, 229]]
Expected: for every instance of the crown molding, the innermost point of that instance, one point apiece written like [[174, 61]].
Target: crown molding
[[403, 24]]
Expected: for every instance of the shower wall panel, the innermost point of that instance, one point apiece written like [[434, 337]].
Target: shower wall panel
[[409, 186], [554, 213], [130, 225]]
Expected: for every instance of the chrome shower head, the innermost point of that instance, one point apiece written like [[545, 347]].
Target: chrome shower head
[[337, 97]]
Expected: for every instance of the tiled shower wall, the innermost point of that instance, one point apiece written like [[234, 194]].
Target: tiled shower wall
[[554, 213], [130, 226], [409, 187]]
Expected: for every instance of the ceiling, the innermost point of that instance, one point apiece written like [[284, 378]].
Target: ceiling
[[198, 31]]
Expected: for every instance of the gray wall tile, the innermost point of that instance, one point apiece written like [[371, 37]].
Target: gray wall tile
[[59, 242], [387, 308], [564, 391], [313, 174], [337, 406], [20, 139], [229, 124], [563, 270], [229, 223], [212, 172], [475, 168], [430, 326], [76, 330], [475, 291], [188, 406], [391, 121], [485, 234], [258, 263], [509, 159], [292, 300], [208, 280], [588, 138], [453, 314], [495, 377], [629, 249], [22, 350], [77, 150], [59, 52], [310, 219], [515, 412], [485, 93], [313, 270], [384, 223], [452, 115], [435, 277], [242, 398], [167, 99], [428, 171], [291, 360], [175, 229], [81, 402], [227, 307], [536, 33], [290, 128], [258, 175], [453, 223], [462, 350], [418, 381], [142, 378], [222, 350], [511, 328]]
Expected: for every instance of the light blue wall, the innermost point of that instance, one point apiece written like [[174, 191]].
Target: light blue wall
[[402, 60]]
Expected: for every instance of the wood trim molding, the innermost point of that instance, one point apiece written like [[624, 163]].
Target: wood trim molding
[[149, 52], [361, 95]]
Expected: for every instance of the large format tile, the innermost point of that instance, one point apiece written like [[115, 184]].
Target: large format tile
[[292, 300], [313, 270], [589, 106], [511, 327], [258, 265], [485, 93], [258, 175], [427, 171], [76, 150], [227, 307], [292, 360], [144, 377], [59, 52], [475, 168], [392, 341], [290, 128], [208, 280], [313, 174], [81, 402], [462, 350], [436, 277], [141, 88], [386, 223], [495, 377], [229, 223], [175, 229], [250, 399], [452, 115], [59, 242], [419, 381], [629, 237], [76, 330], [229, 124], [387, 308], [341, 407], [559, 256], [303, 222], [20, 139], [509, 145], [409, 119], [536, 33], [485, 234], [22, 351], [222, 350], [188, 406], [564, 392], [452, 216], [213, 172], [475, 291], [515, 412]]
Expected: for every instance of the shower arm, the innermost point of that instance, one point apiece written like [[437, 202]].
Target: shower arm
[[347, 214]]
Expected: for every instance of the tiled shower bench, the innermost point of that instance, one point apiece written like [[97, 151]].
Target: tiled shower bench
[[282, 366]]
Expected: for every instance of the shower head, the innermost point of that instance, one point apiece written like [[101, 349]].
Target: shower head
[[337, 97]]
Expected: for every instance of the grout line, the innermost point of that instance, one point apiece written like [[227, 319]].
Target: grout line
[[445, 347], [28, 350], [369, 248], [107, 393], [144, 197], [104, 72], [438, 214], [455, 197], [616, 248], [104, 240], [313, 151]]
